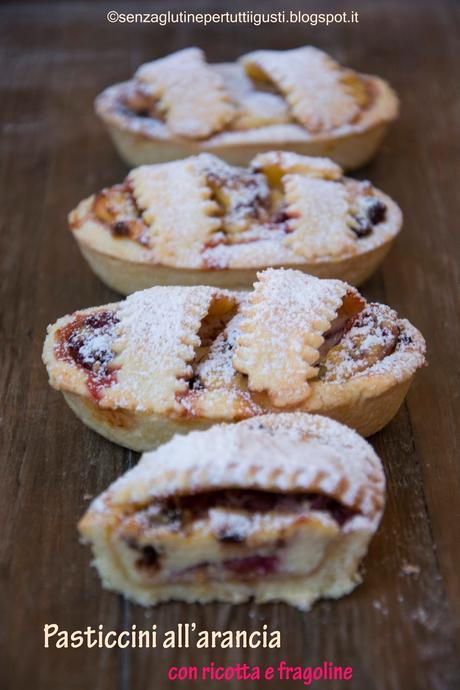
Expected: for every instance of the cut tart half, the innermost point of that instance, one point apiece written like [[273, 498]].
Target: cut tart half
[[278, 508], [172, 359], [300, 100], [201, 221]]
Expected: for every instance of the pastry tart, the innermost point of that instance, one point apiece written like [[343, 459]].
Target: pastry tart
[[300, 100], [200, 221], [172, 359], [279, 508]]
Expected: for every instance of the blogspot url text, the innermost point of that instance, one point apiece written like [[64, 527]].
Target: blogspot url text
[[242, 17]]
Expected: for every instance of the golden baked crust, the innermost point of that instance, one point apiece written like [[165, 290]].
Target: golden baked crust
[[320, 93], [175, 202], [300, 99], [173, 359], [281, 330], [208, 222], [191, 93], [281, 507]]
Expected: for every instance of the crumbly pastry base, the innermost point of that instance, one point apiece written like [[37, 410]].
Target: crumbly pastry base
[[365, 404], [134, 430], [337, 577], [126, 276], [350, 146]]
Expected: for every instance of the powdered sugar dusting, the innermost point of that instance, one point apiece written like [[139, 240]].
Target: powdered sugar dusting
[[311, 83], [288, 162], [285, 453], [407, 358], [157, 336], [377, 343], [265, 251], [242, 526], [225, 522], [191, 93], [284, 320], [217, 367], [95, 346], [258, 109], [176, 206], [320, 211]]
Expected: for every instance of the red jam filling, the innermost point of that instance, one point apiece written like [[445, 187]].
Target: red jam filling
[[179, 512], [86, 341], [185, 509], [252, 566], [339, 512]]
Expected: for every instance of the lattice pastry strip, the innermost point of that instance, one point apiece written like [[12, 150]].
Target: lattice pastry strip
[[322, 95], [176, 205], [191, 93], [276, 164], [283, 324], [156, 339], [259, 109], [320, 217]]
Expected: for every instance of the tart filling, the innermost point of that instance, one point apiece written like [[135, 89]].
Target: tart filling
[[303, 92], [239, 511], [87, 342], [204, 353], [201, 213], [249, 534]]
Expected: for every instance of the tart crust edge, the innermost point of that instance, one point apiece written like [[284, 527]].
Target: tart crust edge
[[126, 277], [366, 405]]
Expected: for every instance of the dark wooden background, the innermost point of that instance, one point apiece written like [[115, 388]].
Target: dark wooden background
[[398, 631]]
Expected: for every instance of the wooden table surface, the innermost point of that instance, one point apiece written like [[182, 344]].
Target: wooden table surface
[[399, 631]]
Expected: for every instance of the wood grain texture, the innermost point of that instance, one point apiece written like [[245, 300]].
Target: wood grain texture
[[399, 632]]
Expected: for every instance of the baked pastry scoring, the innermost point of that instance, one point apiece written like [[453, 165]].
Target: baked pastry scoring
[[298, 99], [170, 359], [202, 221], [277, 508]]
